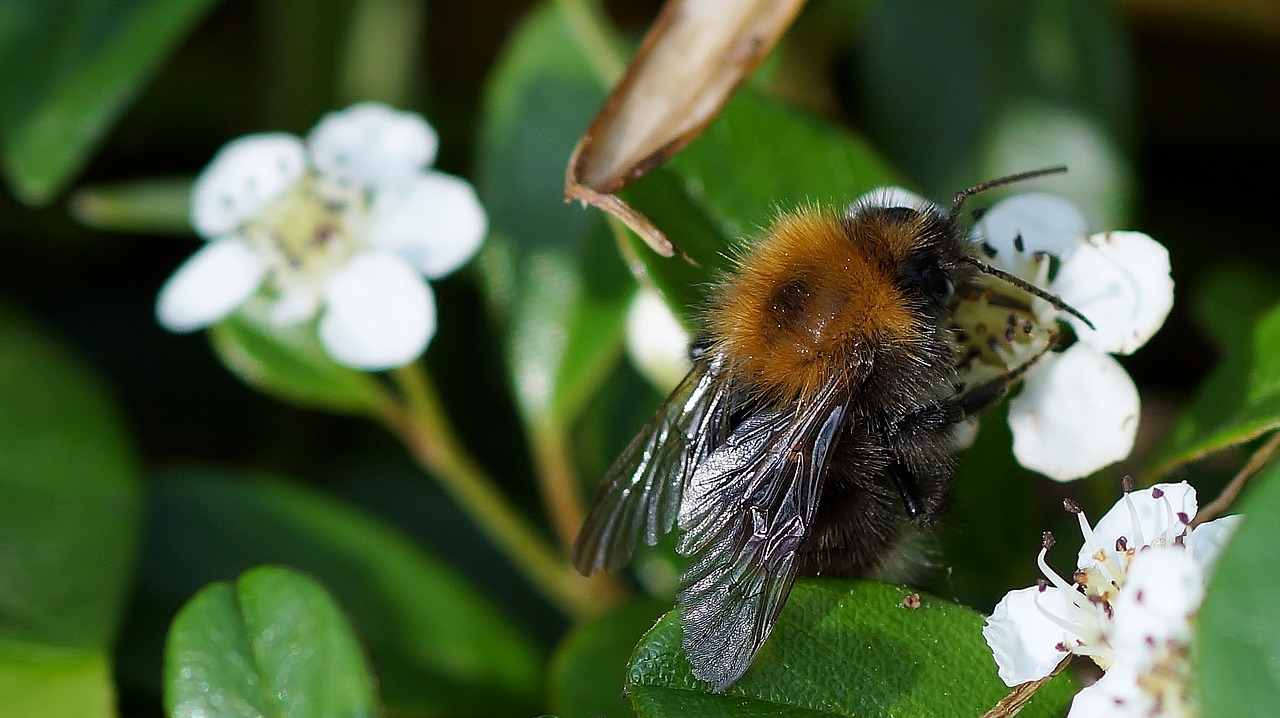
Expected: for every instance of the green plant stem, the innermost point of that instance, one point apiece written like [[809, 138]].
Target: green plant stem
[[421, 422], [557, 480], [587, 23], [380, 51]]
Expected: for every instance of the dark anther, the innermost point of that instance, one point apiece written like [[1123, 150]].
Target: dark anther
[[1071, 506]]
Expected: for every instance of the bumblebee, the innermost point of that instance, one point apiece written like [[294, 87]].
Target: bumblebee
[[817, 424]]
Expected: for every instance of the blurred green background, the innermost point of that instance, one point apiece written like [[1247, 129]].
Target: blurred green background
[[1168, 112]]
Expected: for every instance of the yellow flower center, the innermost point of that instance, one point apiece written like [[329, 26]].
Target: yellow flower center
[[309, 231]]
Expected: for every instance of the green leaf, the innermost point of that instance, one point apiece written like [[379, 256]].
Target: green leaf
[[933, 124], [843, 648], [289, 363], [589, 670], [68, 69], [154, 206], [437, 645], [1239, 623], [275, 644], [69, 496], [75, 685], [551, 270], [983, 60], [782, 158], [1240, 400]]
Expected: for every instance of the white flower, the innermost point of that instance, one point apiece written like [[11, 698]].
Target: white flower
[[1140, 580], [343, 225], [1078, 409], [656, 340]]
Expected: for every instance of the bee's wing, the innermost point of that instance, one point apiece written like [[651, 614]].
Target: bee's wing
[[640, 496], [746, 513]]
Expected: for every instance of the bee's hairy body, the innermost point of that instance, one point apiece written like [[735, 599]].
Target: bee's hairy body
[[838, 298], [814, 430]]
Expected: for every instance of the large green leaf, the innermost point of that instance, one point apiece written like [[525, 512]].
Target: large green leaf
[[759, 157], [289, 363], [551, 270], [438, 647], [1239, 626], [69, 497], [1240, 400], [843, 648], [275, 644], [68, 69]]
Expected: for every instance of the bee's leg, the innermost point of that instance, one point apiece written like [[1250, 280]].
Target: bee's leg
[[906, 484], [982, 397], [920, 463], [987, 394]]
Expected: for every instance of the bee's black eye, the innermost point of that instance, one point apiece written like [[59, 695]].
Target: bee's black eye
[[928, 279]]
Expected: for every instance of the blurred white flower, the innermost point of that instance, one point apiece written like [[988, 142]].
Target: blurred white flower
[[1078, 409], [344, 225], [656, 340], [1140, 580]]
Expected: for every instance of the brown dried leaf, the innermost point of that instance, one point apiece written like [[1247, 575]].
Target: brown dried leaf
[[690, 62]]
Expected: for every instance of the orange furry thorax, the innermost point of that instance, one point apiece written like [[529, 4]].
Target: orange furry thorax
[[812, 302]]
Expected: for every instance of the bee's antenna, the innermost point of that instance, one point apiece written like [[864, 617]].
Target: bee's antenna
[[965, 194], [1028, 287]]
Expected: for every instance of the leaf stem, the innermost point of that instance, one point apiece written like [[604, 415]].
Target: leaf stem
[[1260, 458], [595, 37], [557, 480], [421, 423]]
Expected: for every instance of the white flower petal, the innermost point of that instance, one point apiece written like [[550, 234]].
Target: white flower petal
[[891, 196], [1121, 282], [1025, 642], [297, 304], [379, 313], [372, 145], [1163, 588], [1206, 541], [656, 340], [1115, 695], [247, 174], [436, 222], [1157, 518], [1077, 412], [209, 285], [1038, 222]]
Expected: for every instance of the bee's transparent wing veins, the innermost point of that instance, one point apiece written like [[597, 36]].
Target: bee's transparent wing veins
[[640, 495], [747, 511]]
